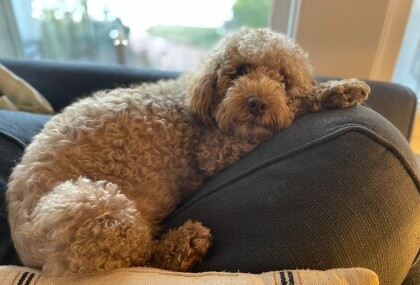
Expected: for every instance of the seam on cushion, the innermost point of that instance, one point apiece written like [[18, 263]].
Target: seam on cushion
[[13, 139], [413, 115], [412, 112], [344, 129]]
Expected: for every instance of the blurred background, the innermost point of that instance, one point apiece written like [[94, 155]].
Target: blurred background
[[163, 34], [375, 39]]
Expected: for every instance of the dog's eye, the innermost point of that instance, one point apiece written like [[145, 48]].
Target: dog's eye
[[286, 83], [243, 69]]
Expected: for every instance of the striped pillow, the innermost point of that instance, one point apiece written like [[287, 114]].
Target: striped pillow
[[13, 275]]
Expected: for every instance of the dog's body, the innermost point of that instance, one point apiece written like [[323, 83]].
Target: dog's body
[[94, 185]]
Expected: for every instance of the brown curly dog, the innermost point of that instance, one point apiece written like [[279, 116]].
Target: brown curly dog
[[94, 185]]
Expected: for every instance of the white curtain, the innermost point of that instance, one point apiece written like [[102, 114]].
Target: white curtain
[[285, 17], [10, 42]]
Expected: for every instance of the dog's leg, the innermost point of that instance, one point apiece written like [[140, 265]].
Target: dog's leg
[[181, 248], [343, 93], [87, 226], [217, 151], [332, 94]]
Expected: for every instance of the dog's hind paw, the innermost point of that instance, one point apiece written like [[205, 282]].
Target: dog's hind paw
[[182, 248]]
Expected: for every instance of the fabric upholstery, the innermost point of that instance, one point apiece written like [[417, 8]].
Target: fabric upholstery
[[146, 276], [61, 83], [16, 131], [395, 102], [338, 188]]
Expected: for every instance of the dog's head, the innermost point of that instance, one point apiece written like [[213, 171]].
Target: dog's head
[[245, 85]]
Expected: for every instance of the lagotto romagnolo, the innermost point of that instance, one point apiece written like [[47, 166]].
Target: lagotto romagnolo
[[94, 185]]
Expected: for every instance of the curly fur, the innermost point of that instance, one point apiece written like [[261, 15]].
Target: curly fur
[[94, 185]]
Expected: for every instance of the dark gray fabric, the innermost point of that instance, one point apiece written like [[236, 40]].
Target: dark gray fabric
[[10, 151], [336, 189], [21, 126], [16, 131], [413, 277], [395, 102]]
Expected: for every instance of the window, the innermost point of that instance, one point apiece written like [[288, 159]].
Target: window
[[407, 71], [163, 34]]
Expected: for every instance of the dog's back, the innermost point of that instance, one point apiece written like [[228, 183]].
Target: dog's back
[[126, 149]]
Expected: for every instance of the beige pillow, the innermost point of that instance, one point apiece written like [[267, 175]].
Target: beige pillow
[[17, 94], [147, 276]]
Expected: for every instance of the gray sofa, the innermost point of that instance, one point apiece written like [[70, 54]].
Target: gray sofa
[[336, 189]]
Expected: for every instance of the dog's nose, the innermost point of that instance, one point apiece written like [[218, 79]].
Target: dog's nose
[[256, 105]]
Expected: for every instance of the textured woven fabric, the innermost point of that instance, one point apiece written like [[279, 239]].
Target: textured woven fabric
[[395, 102], [16, 131], [9, 153], [11, 275], [337, 189]]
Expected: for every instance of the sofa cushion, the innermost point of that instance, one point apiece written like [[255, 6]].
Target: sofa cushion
[[16, 131], [338, 188]]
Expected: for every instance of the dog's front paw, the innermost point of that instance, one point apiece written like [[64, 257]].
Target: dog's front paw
[[182, 248], [343, 93]]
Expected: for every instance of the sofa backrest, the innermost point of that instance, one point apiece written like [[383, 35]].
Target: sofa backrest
[[62, 82]]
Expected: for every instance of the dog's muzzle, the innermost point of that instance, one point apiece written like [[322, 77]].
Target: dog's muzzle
[[256, 105]]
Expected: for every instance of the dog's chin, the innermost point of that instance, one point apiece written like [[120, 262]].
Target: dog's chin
[[252, 132]]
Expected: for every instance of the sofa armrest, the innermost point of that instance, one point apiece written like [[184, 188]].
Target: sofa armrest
[[395, 102]]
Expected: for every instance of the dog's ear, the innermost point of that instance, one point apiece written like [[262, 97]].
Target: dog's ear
[[202, 93]]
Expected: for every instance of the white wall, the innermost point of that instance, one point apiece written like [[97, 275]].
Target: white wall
[[357, 38], [10, 47]]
